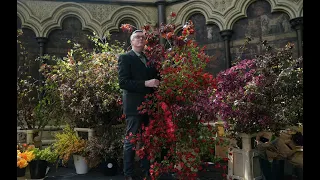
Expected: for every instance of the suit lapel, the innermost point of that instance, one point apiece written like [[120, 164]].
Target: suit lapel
[[132, 53]]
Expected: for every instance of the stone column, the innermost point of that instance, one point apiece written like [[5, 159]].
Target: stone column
[[42, 41], [30, 136], [246, 155], [161, 15], [297, 25], [226, 36]]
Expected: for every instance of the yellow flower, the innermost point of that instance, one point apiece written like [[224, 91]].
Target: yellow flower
[[29, 155]]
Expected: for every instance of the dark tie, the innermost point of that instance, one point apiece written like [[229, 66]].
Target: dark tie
[[143, 59]]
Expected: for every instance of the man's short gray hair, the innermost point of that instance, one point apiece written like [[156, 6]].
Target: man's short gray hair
[[134, 32]]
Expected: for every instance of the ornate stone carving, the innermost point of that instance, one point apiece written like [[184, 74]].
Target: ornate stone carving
[[125, 12], [297, 23], [225, 12], [173, 8], [152, 13], [42, 16], [42, 9], [101, 12], [295, 1], [222, 5], [226, 34]]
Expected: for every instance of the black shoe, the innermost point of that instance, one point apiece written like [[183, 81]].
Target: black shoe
[[128, 178]]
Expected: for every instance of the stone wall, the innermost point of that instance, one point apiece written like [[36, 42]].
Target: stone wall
[[261, 25], [58, 21]]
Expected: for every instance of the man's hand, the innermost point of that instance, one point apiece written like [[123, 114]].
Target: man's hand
[[151, 83]]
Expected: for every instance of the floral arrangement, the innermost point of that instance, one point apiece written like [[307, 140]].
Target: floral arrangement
[[24, 155], [46, 154], [262, 94], [108, 145], [231, 92], [87, 84], [180, 107], [68, 143]]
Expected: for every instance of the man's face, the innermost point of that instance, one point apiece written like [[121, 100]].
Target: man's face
[[138, 40]]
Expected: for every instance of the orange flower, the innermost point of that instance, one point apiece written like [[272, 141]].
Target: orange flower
[[22, 163], [28, 155], [23, 155]]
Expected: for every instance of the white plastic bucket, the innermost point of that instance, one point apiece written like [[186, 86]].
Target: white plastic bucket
[[80, 164]]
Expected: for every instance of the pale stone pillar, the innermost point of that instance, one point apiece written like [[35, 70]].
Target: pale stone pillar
[[29, 136], [246, 149]]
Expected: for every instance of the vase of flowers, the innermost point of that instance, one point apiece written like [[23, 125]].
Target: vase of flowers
[[80, 164], [68, 144], [24, 156], [38, 169], [39, 165]]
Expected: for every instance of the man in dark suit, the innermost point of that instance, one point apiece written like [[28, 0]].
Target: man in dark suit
[[137, 77]]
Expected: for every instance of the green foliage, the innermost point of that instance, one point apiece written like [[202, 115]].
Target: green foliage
[[37, 105], [282, 86], [68, 143], [87, 84], [45, 154]]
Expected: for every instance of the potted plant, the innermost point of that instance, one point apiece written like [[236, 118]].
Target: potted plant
[[106, 149], [68, 144], [87, 83], [42, 158], [24, 156], [37, 103], [262, 94]]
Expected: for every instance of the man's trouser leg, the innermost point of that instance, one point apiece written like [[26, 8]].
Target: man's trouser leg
[[133, 126]]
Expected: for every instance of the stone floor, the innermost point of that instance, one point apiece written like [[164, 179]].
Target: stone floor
[[69, 173]]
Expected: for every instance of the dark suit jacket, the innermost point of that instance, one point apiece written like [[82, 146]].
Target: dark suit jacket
[[132, 74]]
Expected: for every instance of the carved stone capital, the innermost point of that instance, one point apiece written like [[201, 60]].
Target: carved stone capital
[[296, 23], [226, 34], [41, 40], [160, 2]]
